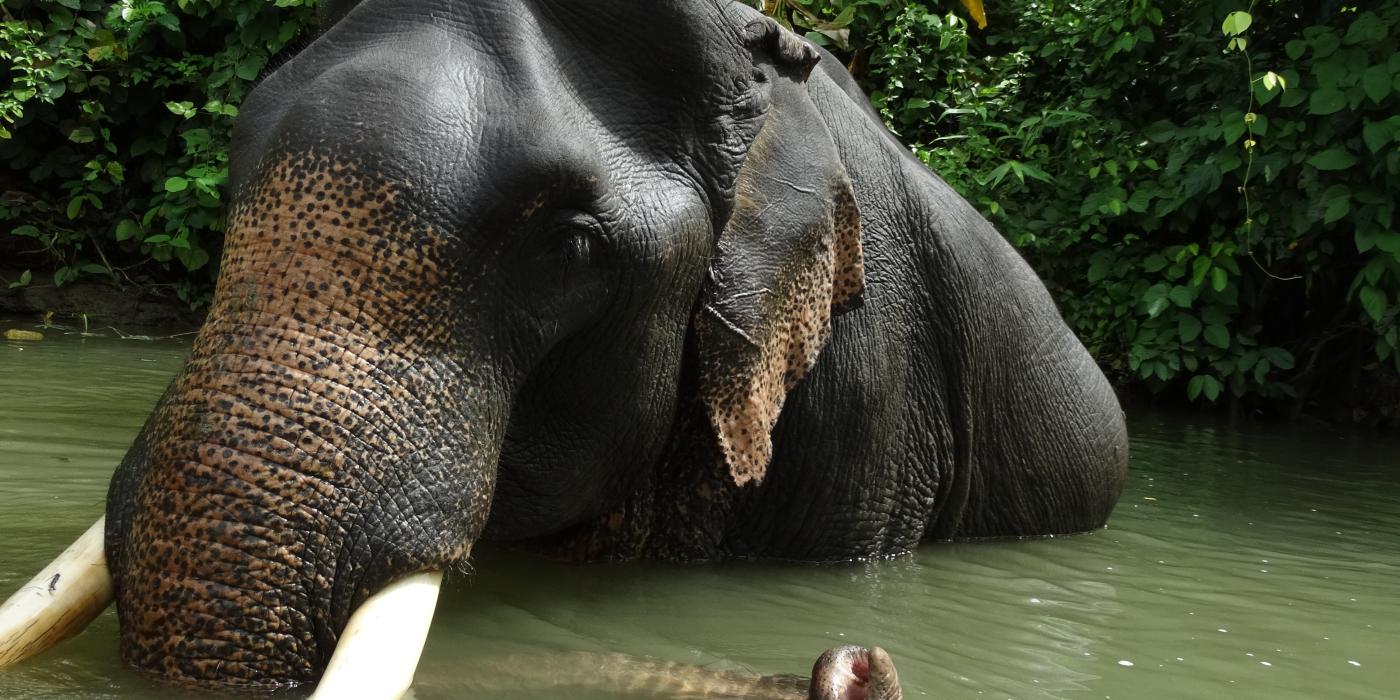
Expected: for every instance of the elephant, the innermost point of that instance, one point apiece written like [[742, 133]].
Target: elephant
[[601, 280]]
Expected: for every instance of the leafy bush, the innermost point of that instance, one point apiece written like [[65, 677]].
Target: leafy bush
[[1207, 186], [114, 125], [1208, 191]]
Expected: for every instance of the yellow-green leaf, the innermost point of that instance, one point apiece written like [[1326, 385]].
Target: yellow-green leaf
[[1236, 23]]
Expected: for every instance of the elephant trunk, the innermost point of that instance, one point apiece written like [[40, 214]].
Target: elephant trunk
[[318, 445]]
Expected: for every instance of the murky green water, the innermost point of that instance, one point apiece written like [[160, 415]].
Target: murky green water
[[1253, 563]]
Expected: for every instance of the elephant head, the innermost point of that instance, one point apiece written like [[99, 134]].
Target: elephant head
[[469, 248]]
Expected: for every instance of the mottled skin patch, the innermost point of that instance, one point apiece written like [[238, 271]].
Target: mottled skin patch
[[852, 672], [282, 443], [765, 316]]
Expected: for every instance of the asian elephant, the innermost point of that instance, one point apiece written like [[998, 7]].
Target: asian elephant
[[607, 280]]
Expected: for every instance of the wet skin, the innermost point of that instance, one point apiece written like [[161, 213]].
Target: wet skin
[[846, 672], [488, 276]]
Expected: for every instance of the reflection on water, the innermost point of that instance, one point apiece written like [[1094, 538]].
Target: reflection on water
[[1241, 562]]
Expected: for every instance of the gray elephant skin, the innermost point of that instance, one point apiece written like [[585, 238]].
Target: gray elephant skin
[[604, 280]]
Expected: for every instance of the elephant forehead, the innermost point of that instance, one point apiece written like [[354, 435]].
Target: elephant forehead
[[317, 232], [475, 101]]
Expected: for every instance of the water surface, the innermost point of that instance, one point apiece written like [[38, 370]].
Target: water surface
[[1241, 562]]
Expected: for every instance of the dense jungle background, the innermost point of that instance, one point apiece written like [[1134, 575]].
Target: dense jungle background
[[1208, 187]]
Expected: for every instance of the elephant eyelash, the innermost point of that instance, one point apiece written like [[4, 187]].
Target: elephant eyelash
[[571, 225]]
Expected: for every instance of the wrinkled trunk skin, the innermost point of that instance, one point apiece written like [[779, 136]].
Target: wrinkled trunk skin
[[317, 445]]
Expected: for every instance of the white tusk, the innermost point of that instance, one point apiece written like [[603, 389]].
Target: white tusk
[[379, 649], [59, 602]]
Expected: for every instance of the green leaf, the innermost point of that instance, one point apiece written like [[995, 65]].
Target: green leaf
[[95, 269], [248, 68], [1279, 357], [1203, 384], [1333, 159], [997, 174], [1376, 82], [1212, 315], [176, 184], [193, 258], [81, 134], [1292, 98], [1246, 361], [1366, 28], [1036, 173], [126, 228], [1156, 307], [1181, 296], [1217, 336], [168, 21], [1325, 44], [158, 238], [1261, 371], [1160, 131], [1219, 279], [1365, 240], [1211, 386], [1233, 127], [1326, 101], [1156, 299], [1374, 302], [1236, 23], [1336, 209], [1199, 267], [183, 109], [1376, 135], [1295, 49], [24, 278], [1333, 73], [1100, 265], [1188, 327], [75, 207]]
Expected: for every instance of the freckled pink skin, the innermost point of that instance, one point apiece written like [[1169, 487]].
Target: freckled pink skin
[[855, 673]]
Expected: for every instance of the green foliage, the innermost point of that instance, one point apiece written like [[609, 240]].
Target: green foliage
[[114, 125], [1208, 187]]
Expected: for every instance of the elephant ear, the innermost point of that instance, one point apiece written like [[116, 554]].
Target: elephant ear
[[788, 259]]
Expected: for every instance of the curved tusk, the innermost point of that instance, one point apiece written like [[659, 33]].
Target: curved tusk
[[379, 649], [59, 602]]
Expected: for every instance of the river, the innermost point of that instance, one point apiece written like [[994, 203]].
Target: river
[[1248, 562]]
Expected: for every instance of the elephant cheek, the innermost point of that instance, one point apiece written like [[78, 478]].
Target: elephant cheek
[[321, 441]]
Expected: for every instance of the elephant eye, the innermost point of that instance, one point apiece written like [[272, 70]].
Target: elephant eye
[[576, 240], [577, 235]]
